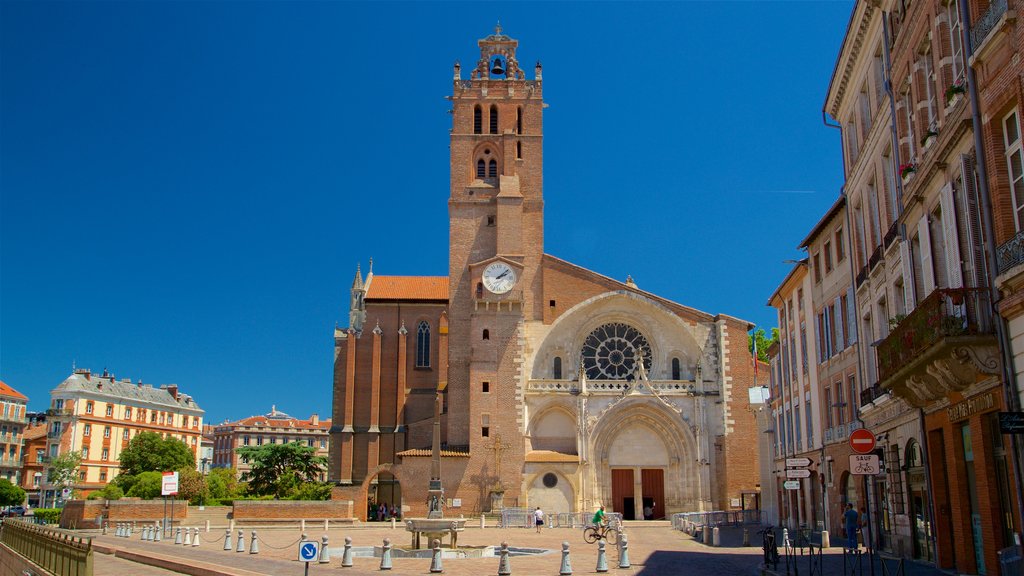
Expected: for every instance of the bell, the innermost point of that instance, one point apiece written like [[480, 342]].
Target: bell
[[497, 68]]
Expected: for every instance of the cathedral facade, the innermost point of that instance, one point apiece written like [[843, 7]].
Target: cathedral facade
[[558, 387]]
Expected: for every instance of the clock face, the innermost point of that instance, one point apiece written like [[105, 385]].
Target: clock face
[[499, 277]]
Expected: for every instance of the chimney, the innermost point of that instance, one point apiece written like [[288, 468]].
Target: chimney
[[314, 419], [88, 375], [139, 383], [173, 389]]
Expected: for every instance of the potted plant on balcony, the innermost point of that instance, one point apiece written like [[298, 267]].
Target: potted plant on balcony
[[907, 171], [929, 138], [955, 91]]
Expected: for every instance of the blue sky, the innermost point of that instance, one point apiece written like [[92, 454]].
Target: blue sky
[[186, 187]]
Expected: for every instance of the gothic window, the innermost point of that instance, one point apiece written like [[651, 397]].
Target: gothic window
[[481, 168], [478, 120], [675, 369], [494, 119], [423, 345], [519, 120], [610, 352], [492, 169], [556, 368]]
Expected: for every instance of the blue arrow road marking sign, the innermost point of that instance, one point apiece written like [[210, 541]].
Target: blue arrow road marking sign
[[309, 551]]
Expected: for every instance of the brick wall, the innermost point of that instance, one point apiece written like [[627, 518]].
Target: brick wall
[[14, 564], [127, 509], [79, 513], [292, 509]]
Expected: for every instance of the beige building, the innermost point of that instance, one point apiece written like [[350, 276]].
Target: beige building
[[12, 428], [98, 415], [274, 427]]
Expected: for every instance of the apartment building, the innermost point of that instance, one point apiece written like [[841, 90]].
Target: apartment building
[[33, 463], [274, 427], [12, 427], [97, 415], [795, 405]]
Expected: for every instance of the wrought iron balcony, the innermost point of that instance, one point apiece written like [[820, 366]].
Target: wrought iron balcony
[[60, 411], [869, 395], [1010, 254], [941, 347], [891, 235], [984, 26], [876, 258], [862, 276]]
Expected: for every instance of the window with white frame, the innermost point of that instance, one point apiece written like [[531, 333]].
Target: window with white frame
[[908, 117], [928, 69], [1015, 163], [864, 104], [956, 40]]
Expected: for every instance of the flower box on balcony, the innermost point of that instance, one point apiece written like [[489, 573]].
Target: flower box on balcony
[[907, 172], [929, 138]]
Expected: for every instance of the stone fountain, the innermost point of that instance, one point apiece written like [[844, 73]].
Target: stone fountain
[[435, 525]]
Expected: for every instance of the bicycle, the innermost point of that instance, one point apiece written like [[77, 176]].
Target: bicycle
[[593, 533]]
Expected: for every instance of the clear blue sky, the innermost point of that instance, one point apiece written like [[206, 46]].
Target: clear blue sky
[[187, 187]]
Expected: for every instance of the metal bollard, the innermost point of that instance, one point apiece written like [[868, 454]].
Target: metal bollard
[[254, 545], [144, 535], [623, 551], [785, 537], [716, 540], [227, 540], [241, 542], [746, 537], [706, 534], [483, 521], [327, 525], [602, 559], [504, 568], [826, 541], [346, 557], [325, 554], [187, 541], [177, 536], [566, 568], [385, 557], [207, 526], [195, 537], [435, 560], [302, 525]]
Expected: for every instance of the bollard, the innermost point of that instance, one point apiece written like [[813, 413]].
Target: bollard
[[254, 545], [826, 541], [602, 559], [105, 525], [346, 557], [623, 551], [207, 526], [746, 537], [435, 560], [785, 537], [156, 534], [144, 535], [187, 541], [195, 537], [566, 568], [227, 540], [706, 534], [393, 522], [117, 530], [241, 542], [302, 525], [385, 557], [716, 540], [483, 521], [231, 525], [177, 536], [504, 568], [325, 554], [327, 525]]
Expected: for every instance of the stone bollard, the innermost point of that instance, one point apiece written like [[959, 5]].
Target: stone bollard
[[716, 539], [826, 541], [159, 533], [346, 557], [241, 542], [746, 537], [623, 551], [144, 535], [327, 524], [195, 537], [187, 541], [566, 567], [504, 567], [227, 540], [435, 560], [177, 536], [602, 559], [706, 534], [302, 525], [325, 554], [254, 544], [393, 522], [385, 557], [105, 525], [483, 521], [785, 537], [207, 526], [231, 525]]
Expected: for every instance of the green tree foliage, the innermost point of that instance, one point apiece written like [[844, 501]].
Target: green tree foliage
[[192, 487], [146, 485], [281, 469], [109, 492], [148, 452], [47, 515], [763, 342], [63, 470], [10, 495], [223, 483]]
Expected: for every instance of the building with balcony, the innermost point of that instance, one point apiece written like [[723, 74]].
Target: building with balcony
[[12, 426], [34, 463], [274, 427], [97, 415]]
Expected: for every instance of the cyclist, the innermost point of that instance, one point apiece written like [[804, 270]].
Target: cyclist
[[598, 519]]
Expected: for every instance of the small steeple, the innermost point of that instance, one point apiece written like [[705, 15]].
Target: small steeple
[[357, 304], [357, 283]]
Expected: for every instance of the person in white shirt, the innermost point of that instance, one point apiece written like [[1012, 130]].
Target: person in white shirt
[[538, 519]]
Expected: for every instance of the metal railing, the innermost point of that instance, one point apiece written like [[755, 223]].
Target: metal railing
[[687, 521], [945, 312], [55, 551], [523, 518], [984, 26], [869, 395], [1010, 253]]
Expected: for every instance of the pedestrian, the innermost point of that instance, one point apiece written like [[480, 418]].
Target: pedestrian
[[852, 521], [538, 519], [649, 511]]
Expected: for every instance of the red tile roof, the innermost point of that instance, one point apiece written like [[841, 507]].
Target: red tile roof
[[408, 288], [6, 390], [294, 423]]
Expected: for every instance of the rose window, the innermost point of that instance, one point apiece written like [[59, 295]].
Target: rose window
[[611, 352]]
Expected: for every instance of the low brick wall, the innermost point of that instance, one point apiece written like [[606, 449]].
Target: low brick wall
[[82, 514], [128, 509], [292, 510]]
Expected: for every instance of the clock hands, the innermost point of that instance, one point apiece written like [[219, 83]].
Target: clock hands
[[502, 275]]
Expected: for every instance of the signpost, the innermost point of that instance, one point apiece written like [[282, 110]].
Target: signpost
[[862, 441], [798, 473], [791, 484], [309, 551], [864, 464], [168, 487], [798, 462]]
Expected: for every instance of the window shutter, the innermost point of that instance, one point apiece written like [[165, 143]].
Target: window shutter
[[851, 315], [927, 271], [975, 257], [839, 325], [949, 230], [908, 275]]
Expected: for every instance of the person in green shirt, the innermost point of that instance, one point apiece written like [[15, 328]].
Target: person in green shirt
[[598, 519]]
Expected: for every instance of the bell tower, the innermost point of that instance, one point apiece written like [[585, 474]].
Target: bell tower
[[496, 242]]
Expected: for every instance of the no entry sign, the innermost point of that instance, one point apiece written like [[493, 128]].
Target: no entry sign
[[862, 441]]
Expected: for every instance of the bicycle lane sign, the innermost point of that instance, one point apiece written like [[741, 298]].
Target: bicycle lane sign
[[864, 464]]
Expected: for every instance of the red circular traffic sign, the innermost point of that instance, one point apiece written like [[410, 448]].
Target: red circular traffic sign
[[862, 441]]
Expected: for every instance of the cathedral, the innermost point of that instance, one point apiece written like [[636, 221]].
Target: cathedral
[[555, 386]]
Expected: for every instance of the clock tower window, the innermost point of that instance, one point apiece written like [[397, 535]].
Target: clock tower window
[[492, 169], [478, 120], [519, 120], [486, 334], [494, 119], [556, 368], [481, 168]]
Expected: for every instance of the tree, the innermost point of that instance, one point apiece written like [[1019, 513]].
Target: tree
[[63, 470], [763, 343], [109, 492], [223, 483], [147, 485], [10, 495], [279, 469], [148, 452], [192, 486]]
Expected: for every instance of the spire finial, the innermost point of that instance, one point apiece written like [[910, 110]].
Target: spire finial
[[371, 266], [497, 27]]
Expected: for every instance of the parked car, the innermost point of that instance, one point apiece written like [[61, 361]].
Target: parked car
[[14, 511]]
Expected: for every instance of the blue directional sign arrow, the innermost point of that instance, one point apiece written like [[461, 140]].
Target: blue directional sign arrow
[[309, 551]]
